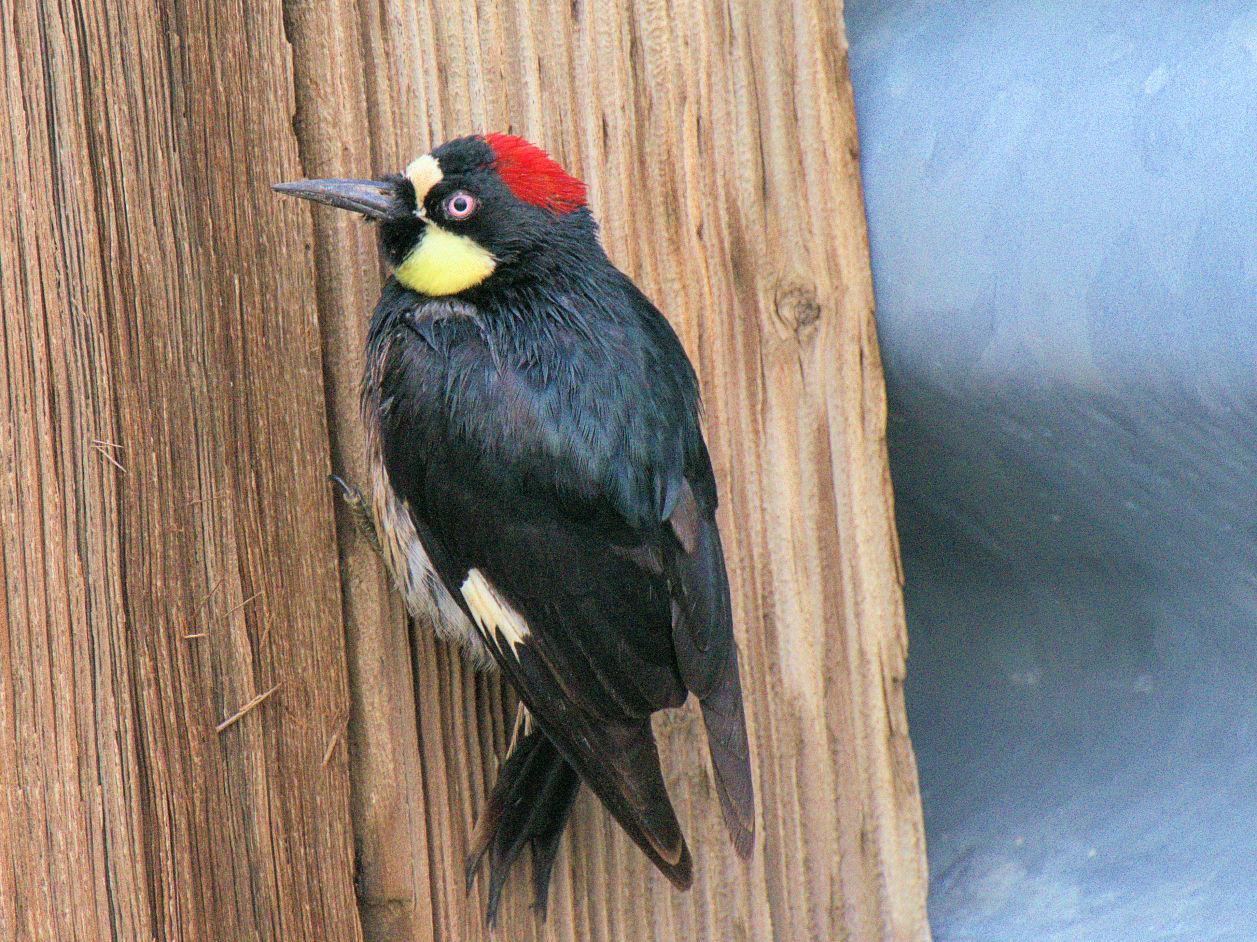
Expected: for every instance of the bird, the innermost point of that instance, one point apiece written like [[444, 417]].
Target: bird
[[542, 493]]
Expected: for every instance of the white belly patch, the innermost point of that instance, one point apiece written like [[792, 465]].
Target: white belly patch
[[404, 554]]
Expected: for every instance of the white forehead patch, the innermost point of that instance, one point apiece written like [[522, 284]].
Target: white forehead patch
[[425, 173]]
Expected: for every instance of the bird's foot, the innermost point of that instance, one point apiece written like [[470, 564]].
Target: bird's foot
[[359, 509]]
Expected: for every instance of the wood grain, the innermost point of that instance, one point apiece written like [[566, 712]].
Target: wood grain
[[157, 301], [719, 143], [179, 360]]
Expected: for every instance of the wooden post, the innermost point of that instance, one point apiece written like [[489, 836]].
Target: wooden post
[[168, 549], [179, 358]]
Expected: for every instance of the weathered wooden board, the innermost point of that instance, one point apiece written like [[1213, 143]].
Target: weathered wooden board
[[158, 299], [719, 143], [166, 533]]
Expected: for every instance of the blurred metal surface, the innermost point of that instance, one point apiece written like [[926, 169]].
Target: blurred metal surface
[[1063, 212]]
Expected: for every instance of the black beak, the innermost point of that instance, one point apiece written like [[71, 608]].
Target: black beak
[[372, 198]]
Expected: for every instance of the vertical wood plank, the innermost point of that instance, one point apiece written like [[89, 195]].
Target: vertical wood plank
[[719, 142], [390, 828], [166, 538], [169, 365]]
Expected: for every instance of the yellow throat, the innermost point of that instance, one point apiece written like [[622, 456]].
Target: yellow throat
[[445, 263]]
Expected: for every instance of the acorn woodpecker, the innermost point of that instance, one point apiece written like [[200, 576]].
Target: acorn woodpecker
[[541, 491]]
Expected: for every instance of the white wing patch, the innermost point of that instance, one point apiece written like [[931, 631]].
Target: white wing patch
[[492, 612]]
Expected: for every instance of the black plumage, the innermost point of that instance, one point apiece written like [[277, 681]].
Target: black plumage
[[541, 428]]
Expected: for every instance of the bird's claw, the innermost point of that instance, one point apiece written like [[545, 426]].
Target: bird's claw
[[359, 509], [349, 494]]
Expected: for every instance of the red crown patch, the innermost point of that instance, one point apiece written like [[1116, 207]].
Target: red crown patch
[[533, 175]]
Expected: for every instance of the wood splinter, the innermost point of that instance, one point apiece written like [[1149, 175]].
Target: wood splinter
[[331, 743], [239, 605], [102, 449], [244, 710], [217, 585]]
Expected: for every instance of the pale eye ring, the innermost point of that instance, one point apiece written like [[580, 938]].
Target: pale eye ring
[[460, 204]]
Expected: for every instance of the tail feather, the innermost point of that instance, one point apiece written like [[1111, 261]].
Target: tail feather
[[530, 804], [544, 843]]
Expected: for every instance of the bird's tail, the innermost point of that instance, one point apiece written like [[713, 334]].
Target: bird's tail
[[530, 804]]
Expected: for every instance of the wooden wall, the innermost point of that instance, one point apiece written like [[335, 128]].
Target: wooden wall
[[179, 358]]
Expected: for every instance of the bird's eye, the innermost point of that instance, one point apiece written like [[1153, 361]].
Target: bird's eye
[[460, 205]]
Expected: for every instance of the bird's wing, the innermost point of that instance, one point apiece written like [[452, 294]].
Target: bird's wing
[[706, 653], [582, 627]]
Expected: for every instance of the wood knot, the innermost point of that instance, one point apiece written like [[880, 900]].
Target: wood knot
[[796, 307]]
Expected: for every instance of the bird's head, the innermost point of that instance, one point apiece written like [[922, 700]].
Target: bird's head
[[473, 209]]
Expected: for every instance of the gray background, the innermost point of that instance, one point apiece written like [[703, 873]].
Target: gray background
[[1062, 201]]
